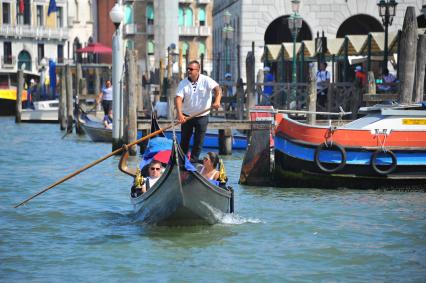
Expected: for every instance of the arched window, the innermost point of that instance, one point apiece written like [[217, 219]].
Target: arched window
[[185, 47], [188, 18], [202, 16], [150, 14], [130, 44], [128, 14], [76, 45], [151, 47], [24, 58], [180, 19], [201, 49]]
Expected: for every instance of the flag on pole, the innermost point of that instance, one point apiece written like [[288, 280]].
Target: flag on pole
[[52, 7], [21, 6]]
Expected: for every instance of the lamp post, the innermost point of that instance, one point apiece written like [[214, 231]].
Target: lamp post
[[387, 10], [227, 33], [294, 24], [116, 15]]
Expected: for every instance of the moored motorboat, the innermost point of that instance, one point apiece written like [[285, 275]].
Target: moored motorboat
[[8, 100], [384, 149], [46, 111]]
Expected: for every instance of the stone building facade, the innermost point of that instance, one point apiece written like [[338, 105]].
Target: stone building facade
[[262, 22], [28, 34]]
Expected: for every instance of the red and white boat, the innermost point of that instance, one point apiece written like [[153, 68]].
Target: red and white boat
[[385, 149]]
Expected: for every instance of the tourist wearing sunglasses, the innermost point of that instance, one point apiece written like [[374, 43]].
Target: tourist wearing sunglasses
[[155, 169], [194, 94]]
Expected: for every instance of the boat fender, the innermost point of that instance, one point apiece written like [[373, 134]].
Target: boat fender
[[330, 146], [391, 168]]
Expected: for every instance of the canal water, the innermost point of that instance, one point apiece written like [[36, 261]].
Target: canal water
[[84, 229]]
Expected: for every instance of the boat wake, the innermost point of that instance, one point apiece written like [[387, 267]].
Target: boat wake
[[230, 218], [235, 219]]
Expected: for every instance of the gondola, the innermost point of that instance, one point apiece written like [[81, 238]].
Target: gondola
[[181, 196], [94, 128]]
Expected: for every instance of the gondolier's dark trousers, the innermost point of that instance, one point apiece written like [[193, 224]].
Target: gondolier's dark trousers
[[199, 124], [106, 105]]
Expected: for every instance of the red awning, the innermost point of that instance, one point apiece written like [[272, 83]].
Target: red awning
[[95, 48]]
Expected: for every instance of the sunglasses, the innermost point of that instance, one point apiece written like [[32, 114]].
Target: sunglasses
[[191, 69], [155, 168]]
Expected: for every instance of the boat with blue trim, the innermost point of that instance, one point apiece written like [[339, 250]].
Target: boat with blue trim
[[385, 149]]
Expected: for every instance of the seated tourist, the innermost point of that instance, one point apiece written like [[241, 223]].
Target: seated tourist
[[208, 169], [155, 169], [389, 82]]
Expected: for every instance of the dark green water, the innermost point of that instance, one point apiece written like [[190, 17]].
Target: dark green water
[[84, 230]]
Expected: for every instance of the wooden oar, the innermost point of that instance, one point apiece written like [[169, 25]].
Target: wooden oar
[[115, 152]]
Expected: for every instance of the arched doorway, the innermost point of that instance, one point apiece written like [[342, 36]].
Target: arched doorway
[[421, 21], [277, 33], [356, 25], [359, 24], [24, 60]]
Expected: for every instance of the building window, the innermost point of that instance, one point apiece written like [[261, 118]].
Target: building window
[[77, 13], [188, 17], [202, 16], [151, 47], [27, 12], [130, 44], [201, 49], [180, 19], [40, 52], [128, 14], [39, 15], [59, 17], [185, 48], [150, 14], [60, 53], [24, 60], [6, 13], [7, 52]]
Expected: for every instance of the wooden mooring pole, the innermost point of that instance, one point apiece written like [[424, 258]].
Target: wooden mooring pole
[[19, 91], [312, 98], [420, 70], [407, 61], [70, 118], [131, 100]]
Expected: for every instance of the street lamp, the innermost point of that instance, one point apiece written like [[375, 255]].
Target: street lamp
[[294, 24], [116, 15], [227, 33], [387, 10]]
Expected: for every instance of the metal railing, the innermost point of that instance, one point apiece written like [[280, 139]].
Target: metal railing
[[33, 32]]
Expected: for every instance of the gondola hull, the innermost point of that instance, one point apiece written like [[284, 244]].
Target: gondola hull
[[97, 133], [95, 129], [182, 197]]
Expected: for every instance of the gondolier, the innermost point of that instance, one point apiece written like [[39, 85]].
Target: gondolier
[[193, 95], [106, 97]]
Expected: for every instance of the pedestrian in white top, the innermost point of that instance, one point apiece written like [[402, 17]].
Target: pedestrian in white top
[[106, 97], [195, 94], [323, 81]]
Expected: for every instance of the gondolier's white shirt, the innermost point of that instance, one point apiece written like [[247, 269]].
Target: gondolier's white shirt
[[196, 96], [107, 93]]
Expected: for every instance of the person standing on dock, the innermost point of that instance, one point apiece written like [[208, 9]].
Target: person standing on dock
[[323, 81], [106, 97], [194, 94]]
